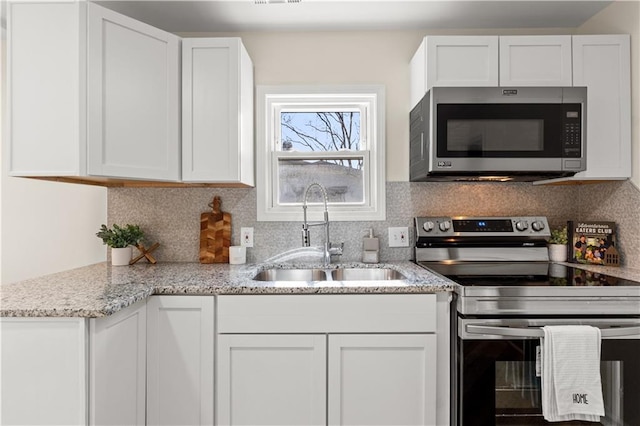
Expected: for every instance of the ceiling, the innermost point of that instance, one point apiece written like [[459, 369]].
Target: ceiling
[[336, 15]]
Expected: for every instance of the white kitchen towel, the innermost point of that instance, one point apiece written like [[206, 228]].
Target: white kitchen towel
[[571, 384]]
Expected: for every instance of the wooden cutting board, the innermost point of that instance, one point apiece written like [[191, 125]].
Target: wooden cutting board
[[215, 234]]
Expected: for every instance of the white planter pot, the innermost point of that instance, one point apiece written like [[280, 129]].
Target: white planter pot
[[558, 252], [120, 256]]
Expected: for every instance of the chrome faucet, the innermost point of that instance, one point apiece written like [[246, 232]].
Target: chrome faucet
[[328, 249]]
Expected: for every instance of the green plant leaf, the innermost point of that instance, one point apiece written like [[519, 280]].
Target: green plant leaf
[[558, 236], [118, 237]]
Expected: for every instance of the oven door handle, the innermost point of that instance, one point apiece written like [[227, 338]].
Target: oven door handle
[[538, 332]]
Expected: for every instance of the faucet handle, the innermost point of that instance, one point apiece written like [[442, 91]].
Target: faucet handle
[[305, 236]]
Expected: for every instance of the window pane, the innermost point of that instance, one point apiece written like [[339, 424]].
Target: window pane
[[320, 131], [342, 178]]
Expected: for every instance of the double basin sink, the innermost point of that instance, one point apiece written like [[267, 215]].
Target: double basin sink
[[339, 274]]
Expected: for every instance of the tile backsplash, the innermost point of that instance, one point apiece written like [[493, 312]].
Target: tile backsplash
[[171, 216]]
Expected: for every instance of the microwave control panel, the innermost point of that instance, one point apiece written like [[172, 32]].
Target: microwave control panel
[[572, 131]]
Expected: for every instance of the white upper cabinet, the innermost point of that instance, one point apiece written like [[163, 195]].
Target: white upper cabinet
[[535, 61], [100, 98], [602, 64], [217, 111], [133, 98], [454, 61], [46, 94], [490, 61]]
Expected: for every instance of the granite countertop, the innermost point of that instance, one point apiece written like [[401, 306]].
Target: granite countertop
[[627, 273], [101, 289]]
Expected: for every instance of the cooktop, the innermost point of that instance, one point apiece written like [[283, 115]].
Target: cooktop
[[545, 274]]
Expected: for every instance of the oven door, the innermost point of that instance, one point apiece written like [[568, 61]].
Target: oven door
[[497, 382]]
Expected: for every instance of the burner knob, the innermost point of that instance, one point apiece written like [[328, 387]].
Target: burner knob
[[521, 225], [428, 226], [537, 226], [444, 226]]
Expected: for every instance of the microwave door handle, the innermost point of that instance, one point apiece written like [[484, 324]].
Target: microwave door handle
[[538, 332]]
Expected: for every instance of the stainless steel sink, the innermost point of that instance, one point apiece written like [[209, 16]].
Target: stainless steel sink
[[339, 274], [292, 275], [366, 274]]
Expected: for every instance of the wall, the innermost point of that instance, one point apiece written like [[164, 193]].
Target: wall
[[619, 202], [46, 227], [172, 216]]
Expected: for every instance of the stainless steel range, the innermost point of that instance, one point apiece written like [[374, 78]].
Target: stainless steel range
[[506, 290]]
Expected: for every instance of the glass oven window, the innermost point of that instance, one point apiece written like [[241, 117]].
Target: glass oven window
[[499, 385]]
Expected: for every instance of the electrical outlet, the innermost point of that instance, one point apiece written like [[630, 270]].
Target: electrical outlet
[[399, 237], [246, 237]]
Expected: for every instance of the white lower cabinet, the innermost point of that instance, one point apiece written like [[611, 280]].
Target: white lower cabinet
[[322, 359], [180, 366], [43, 365], [271, 379], [382, 379], [281, 360], [74, 371], [117, 367]]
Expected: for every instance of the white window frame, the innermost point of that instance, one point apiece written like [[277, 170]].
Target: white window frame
[[371, 102]]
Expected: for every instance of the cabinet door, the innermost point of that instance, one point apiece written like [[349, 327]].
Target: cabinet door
[[180, 341], [118, 345], [535, 61], [271, 379], [133, 103], [45, 115], [217, 111], [462, 61], [43, 363], [385, 379], [602, 64], [418, 74]]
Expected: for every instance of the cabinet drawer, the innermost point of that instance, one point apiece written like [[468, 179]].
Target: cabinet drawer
[[327, 313]]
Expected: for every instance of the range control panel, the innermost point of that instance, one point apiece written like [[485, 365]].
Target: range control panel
[[482, 227]]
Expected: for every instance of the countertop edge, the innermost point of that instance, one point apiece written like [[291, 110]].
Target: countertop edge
[[111, 289]]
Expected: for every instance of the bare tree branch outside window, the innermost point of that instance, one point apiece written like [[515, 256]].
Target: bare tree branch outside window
[[322, 131]]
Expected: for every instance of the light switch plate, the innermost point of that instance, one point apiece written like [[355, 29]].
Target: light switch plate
[[246, 237], [399, 236]]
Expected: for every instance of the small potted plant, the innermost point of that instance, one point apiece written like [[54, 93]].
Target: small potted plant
[[558, 245], [120, 239]]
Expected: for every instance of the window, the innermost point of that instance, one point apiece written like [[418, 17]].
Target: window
[[330, 135]]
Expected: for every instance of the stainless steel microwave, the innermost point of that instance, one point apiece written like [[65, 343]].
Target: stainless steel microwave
[[498, 134]]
